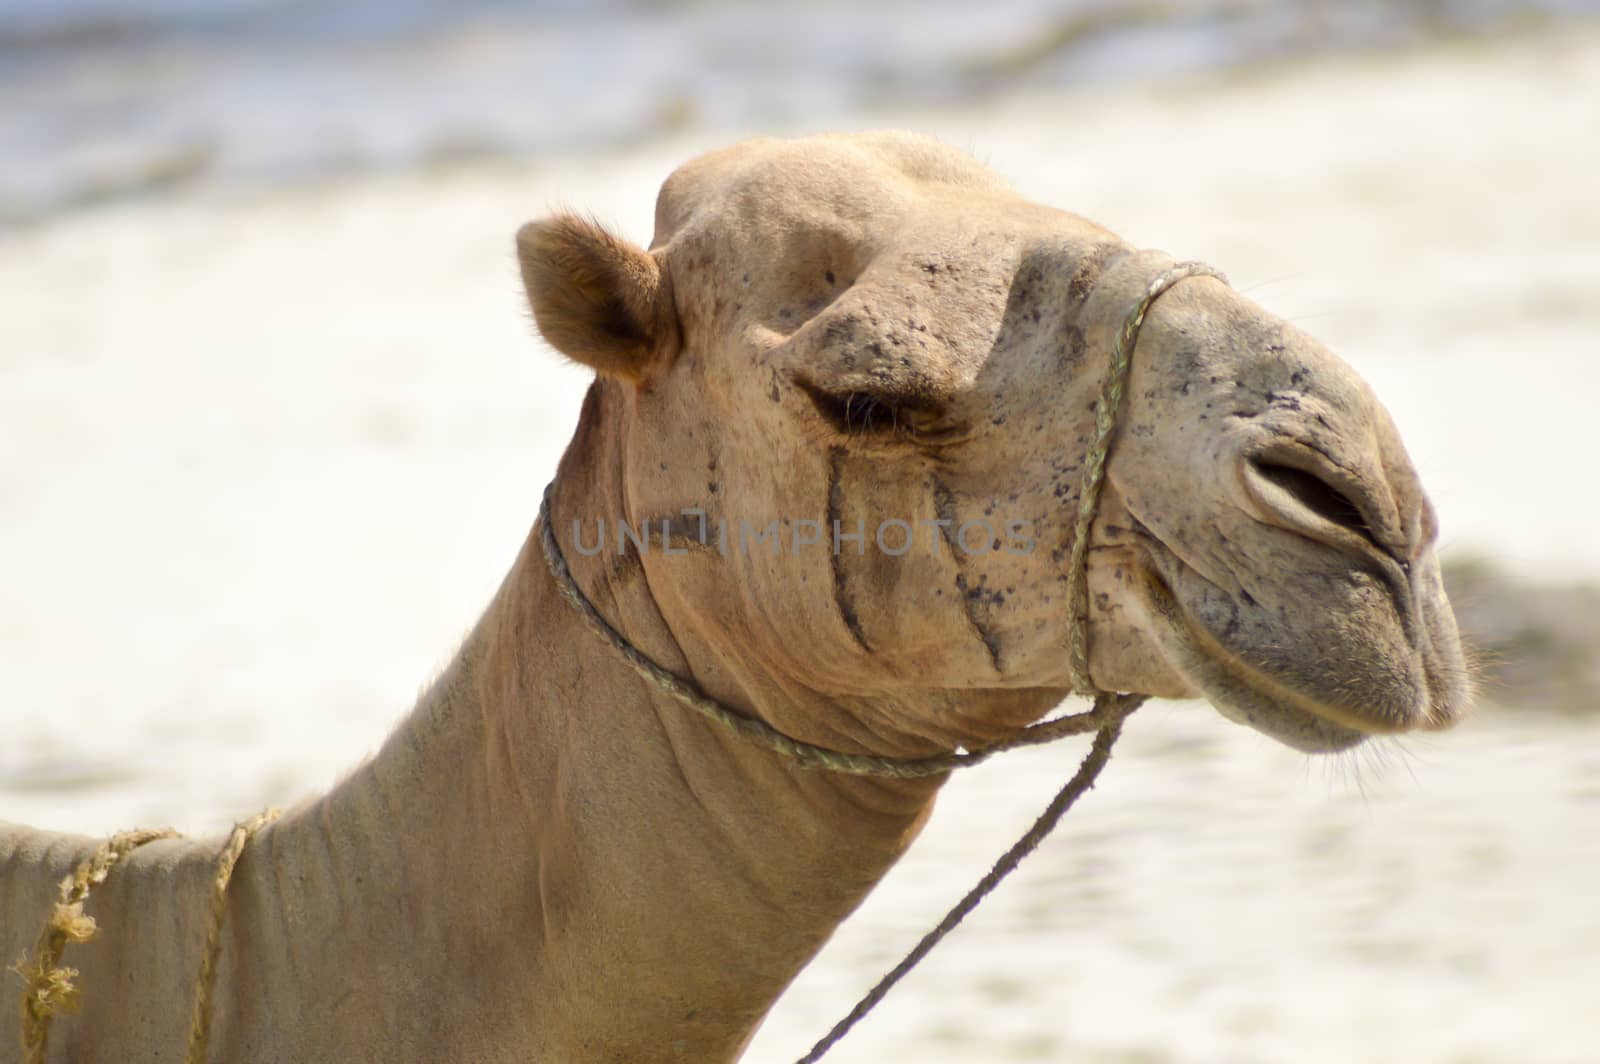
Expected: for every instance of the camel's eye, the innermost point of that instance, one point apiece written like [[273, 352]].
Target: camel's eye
[[859, 412]]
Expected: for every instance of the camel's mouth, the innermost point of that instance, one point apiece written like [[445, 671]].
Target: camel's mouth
[[1313, 713]]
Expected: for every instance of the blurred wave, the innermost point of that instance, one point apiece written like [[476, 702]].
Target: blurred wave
[[106, 98]]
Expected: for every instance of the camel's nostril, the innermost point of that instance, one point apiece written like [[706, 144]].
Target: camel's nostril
[[1318, 496]]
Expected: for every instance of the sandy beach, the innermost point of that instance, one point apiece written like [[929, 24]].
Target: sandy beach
[[264, 457]]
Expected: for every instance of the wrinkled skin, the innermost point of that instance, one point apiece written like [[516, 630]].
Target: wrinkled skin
[[551, 859], [875, 328]]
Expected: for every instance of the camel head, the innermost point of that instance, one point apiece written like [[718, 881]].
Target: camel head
[[848, 392]]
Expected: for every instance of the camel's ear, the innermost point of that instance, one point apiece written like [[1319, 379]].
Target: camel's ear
[[598, 299]]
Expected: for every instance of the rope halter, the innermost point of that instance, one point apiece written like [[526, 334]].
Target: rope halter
[[1105, 719], [1108, 706]]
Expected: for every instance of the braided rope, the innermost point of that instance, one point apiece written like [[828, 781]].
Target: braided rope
[[200, 1018], [802, 754], [1094, 465], [1082, 780], [50, 988]]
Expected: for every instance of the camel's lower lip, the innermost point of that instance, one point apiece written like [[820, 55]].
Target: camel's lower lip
[[1239, 691]]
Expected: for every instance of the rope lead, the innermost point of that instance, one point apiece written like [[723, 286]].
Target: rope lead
[[1105, 719]]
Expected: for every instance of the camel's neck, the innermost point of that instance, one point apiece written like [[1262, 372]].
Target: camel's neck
[[552, 856]]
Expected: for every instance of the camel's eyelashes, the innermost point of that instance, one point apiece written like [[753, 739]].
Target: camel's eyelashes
[[853, 412], [859, 412]]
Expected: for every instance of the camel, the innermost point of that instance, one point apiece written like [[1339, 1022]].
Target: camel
[[830, 337]]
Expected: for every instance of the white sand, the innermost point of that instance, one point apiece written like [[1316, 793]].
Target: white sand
[[1220, 899], [262, 462]]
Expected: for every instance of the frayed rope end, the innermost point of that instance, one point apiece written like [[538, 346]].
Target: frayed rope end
[[69, 921]]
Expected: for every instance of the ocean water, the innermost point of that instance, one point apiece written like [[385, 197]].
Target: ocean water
[[104, 99]]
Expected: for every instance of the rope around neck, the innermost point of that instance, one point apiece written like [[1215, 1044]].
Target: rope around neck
[[1105, 719], [49, 986], [759, 732], [200, 1017]]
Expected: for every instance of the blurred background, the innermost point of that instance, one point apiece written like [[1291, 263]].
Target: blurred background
[[273, 423]]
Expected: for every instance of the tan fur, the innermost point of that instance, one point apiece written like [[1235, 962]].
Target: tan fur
[[598, 299], [551, 860]]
